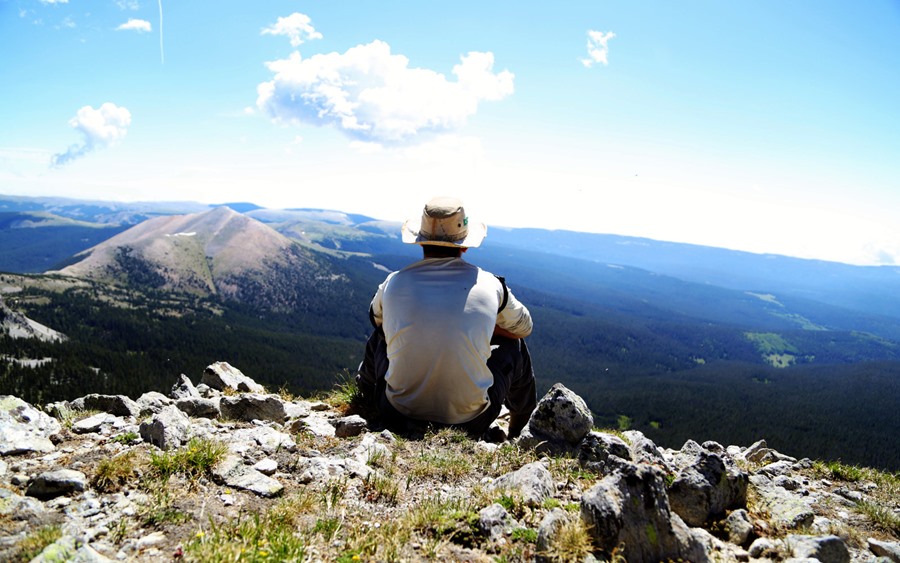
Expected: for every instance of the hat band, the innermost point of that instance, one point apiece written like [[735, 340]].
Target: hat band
[[444, 229], [444, 238]]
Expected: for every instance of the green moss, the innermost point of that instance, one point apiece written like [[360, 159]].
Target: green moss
[[652, 535]]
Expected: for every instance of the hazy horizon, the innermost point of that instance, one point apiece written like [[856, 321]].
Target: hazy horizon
[[762, 127]]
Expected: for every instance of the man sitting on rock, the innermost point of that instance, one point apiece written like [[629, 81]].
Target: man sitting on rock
[[448, 345]]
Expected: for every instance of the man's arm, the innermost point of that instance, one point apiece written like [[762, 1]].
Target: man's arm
[[514, 320], [500, 331]]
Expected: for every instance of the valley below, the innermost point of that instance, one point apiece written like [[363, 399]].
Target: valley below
[[672, 352]]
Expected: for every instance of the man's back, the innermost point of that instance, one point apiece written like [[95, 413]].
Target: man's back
[[438, 316]]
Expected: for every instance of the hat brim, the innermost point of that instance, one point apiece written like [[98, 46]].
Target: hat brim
[[410, 233]]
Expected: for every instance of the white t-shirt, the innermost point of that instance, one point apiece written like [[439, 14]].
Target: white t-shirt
[[438, 317]]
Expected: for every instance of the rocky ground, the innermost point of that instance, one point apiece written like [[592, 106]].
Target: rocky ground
[[224, 471]]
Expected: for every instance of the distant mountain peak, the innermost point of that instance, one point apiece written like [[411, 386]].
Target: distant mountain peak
[[216, 252]]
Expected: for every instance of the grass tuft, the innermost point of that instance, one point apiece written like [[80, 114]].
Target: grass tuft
[[255, 538], [571, 543], [113, 473], [194, 460], [35, 542]]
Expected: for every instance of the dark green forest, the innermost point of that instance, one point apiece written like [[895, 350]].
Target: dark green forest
[[668, 376]]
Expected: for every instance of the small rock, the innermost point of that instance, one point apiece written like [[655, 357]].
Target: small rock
[[827, 549], [152, 402], [167, 429], [119, 405], [494, 520], [222, 376], [232, 472], [184, 389], [198, 407], [349, 426], [762, 547], [24, 429], [52, 484], [533, 481], [266, 466], [756, 452], [151, 539], [739, 527], [890, 550], [68, 548], [597, 449], [91, 424]]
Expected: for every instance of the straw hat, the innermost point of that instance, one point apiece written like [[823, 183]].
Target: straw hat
[[444, 223]]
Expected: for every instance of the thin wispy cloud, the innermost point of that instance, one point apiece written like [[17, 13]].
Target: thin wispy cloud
[[100, 128], [598, 48], [298, 27], [373, 95], [141, 26], [49, 2], [162, 53]]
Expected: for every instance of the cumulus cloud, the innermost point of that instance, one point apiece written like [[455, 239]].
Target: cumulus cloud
[[373, 95], [100, 128], [598, 48], [298, 27], [141, 26]]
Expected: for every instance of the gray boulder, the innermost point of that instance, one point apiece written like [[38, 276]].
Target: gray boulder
[[707, 488], [167, 429], [25, 429], [251, 406], [198, 407], [222, 376], [630, 508], [52, 484], [559, 422], [785, 510], [119, 405]]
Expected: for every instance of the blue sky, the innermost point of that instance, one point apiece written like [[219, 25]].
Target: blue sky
[[765, 126]]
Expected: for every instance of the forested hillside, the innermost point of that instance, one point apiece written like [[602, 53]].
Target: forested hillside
[[664, 354]]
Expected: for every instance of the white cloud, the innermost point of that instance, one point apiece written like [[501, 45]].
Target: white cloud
[[374, 96], [598, 48], [298, 27], [132, 24], [54, 1], [128, 4], [100, 127]]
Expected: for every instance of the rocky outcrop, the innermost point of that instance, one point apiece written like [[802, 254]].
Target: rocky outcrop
[[562, 491]]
